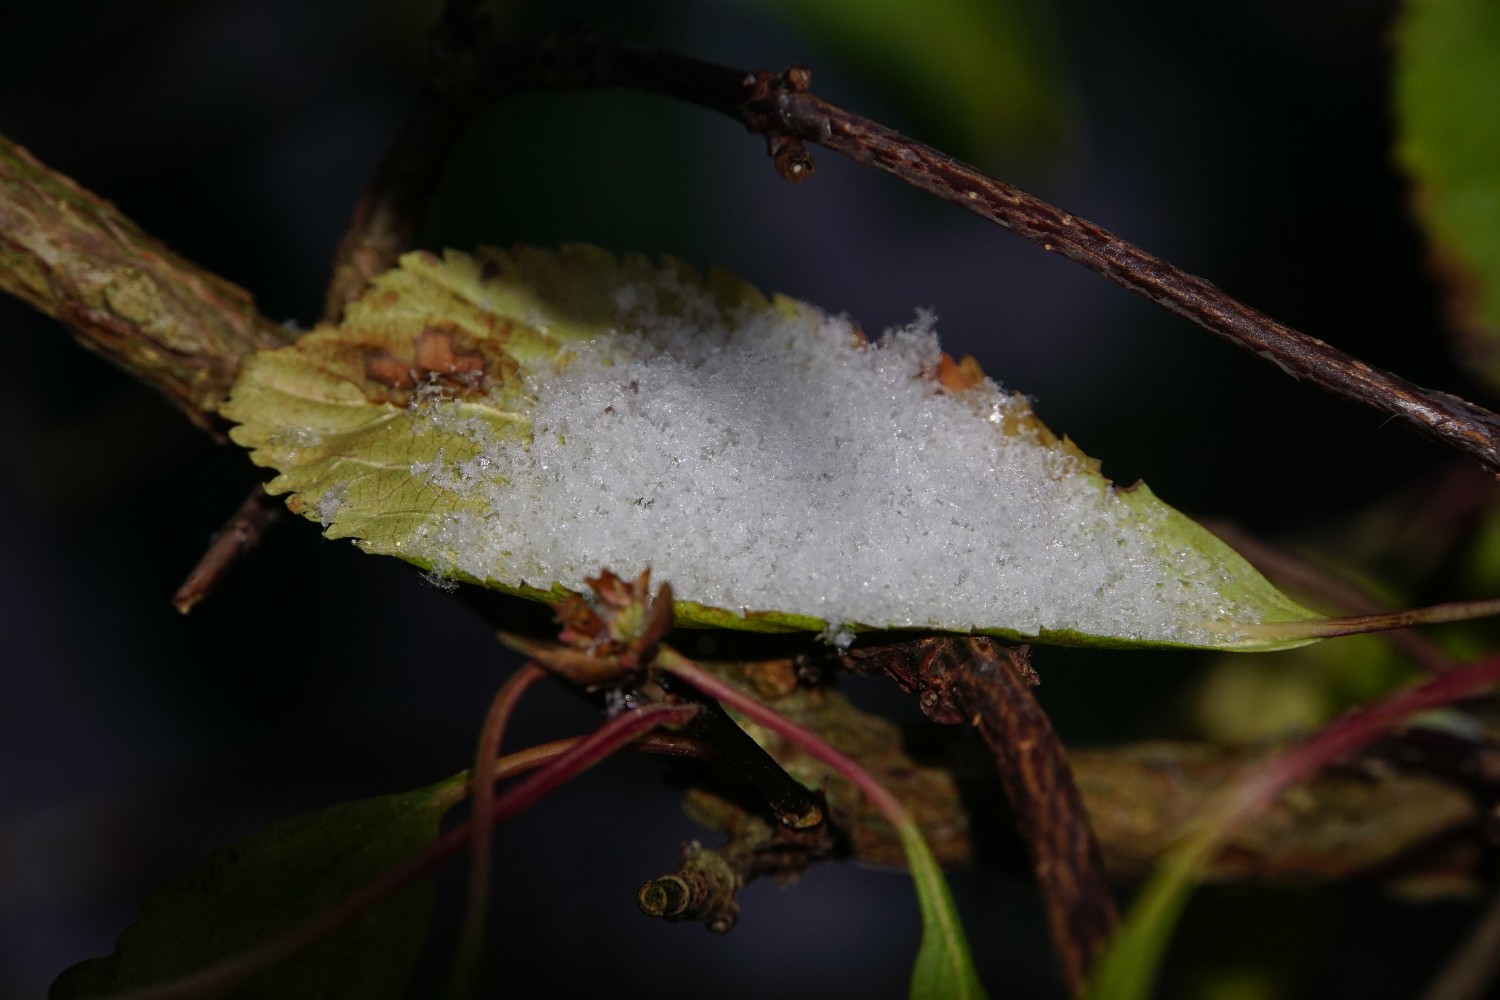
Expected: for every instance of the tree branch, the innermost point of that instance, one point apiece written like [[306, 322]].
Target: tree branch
[[124, 295], [239, 535], [391, 208], [778, 106]]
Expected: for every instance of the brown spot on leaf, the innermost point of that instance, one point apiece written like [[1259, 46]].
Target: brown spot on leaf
[[387, 369], [434, 352], [443, 358]]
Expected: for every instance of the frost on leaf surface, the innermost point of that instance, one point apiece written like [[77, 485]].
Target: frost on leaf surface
[[525, 418]]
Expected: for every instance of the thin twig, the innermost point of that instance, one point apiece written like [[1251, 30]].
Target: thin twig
[[944, 952], [238, 536], [732, 750], [729, 747], [778, 106]]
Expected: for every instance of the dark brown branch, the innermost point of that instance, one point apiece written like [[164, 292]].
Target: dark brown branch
[[239, 535], [989, 686], [777, 106], [124, 295], [391, 208], [1457, 423]]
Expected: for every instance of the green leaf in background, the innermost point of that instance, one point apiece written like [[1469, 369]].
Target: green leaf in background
[[1447, 90], [1128, 968], [984, 75], [262, 887], [522, 419], [1236, 703]]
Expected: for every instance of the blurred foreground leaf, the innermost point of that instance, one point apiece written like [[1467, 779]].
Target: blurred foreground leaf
[[257, 890]]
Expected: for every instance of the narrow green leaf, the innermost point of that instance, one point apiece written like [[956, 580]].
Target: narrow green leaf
[[262, 887], [1447, 87], [944, 969], [1127, 970], [522, 419]]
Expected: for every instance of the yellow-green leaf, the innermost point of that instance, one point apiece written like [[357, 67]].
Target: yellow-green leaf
[[523, 419]]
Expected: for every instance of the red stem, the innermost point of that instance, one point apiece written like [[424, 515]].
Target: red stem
[[482, 785], [1352, 732]]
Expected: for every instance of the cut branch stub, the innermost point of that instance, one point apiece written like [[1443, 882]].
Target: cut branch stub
[[704, 888], [519, 419]]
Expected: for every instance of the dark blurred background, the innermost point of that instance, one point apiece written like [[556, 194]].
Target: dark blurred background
[[1247, 141]]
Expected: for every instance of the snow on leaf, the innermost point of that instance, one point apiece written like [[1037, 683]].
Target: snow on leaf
[[522, 418]]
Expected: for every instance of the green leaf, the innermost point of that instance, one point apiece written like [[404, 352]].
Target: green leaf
[[1128, 968], [255, 891], [522, 419], [944, 969], [1447, 87]]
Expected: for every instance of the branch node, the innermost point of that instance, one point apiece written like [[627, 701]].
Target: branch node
[[702, 889]]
